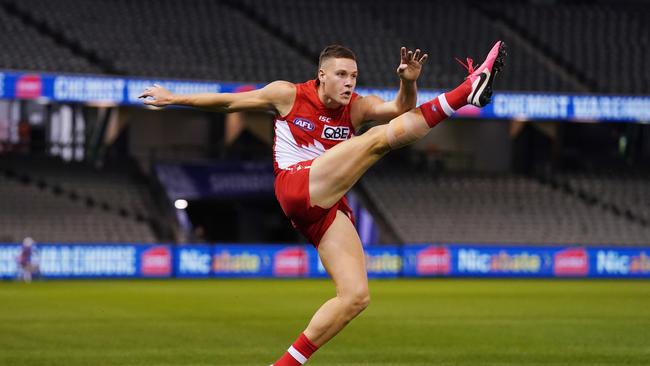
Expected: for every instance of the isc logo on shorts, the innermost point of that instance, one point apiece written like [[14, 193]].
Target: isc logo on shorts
[[335, 133]]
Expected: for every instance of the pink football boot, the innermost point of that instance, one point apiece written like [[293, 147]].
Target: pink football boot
[[483, 76]]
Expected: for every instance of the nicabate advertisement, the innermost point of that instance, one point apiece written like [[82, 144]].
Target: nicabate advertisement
[[302, 261]]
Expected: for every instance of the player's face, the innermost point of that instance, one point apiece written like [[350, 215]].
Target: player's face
[[338, 77]]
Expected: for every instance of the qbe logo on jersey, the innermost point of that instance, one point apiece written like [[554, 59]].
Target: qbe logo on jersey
[[338, 133]]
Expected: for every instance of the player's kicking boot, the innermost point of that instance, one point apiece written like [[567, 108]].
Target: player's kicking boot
[[483, 77]]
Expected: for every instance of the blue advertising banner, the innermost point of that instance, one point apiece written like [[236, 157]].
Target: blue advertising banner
[[242, 261], [426, 260], [125, 91], [2, 85], [383, 262], [282, 261], [260, 261], [619, 263], [481, 261], [100, 89], [545, 106], [66, 261], [193, 261], [81, 261], [92, 260], [502, 262], [486, 261], [9, 260]]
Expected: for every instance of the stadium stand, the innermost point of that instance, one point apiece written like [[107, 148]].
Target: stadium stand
[[493, 208], [625, 192], [375, 30], [566, 47], [56, 201], [114, 187], [169, 38], [27, 47], [202, 39], [600, 43], [376, 47], [459, 29]]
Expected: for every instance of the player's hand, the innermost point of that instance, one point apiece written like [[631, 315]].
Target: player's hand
[[157, 96], [410, 64]]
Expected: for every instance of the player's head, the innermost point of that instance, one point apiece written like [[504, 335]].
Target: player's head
[[28, 242], [337, 73]]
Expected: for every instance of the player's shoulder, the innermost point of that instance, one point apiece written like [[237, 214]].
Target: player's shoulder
[[281, 87], [361, 104], [367, 100], [281, 94]]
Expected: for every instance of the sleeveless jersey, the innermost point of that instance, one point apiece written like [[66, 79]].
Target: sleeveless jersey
[[310, 128]]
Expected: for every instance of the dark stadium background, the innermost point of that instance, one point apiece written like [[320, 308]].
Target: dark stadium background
[[78, 172], [108, 188]]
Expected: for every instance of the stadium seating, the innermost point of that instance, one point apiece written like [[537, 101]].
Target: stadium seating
[[607, 45], [198, 39], [493, 208], [450, 29], [622, 191], [377, 47], [260, 40], [54, 201], [25, 48], [598, 46]]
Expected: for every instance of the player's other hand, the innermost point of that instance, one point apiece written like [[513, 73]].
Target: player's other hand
[[410, 64], [157, 96]]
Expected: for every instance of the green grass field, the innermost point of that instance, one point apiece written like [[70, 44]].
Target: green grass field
[[251, 322]]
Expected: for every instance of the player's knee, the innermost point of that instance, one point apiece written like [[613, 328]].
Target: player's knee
[[357, 301], [406, 129], [363, 302], [378, 142]]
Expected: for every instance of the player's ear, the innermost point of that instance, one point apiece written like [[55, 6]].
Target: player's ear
[[321, 75]]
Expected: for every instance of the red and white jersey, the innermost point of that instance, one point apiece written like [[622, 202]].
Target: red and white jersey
[[310, 128]]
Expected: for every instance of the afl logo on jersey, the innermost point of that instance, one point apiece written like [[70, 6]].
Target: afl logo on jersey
[[305, 124], [335, 132]]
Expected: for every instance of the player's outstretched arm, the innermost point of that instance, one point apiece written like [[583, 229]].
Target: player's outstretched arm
[[277, 96], [374, 108]]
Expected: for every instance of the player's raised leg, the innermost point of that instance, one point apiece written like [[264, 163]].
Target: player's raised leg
[[337, 170], [342, 255]]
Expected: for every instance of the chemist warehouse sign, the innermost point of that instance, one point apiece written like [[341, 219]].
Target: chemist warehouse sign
[[125, 91]]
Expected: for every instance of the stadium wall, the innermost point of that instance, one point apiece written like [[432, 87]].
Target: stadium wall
[[58, 261]]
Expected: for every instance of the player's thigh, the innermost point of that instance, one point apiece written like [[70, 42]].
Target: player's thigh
[[339, 168], [342, 255]]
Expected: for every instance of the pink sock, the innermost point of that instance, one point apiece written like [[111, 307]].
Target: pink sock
[[298, 353]]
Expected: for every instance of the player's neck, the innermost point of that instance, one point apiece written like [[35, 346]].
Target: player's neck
[[327, 101]]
